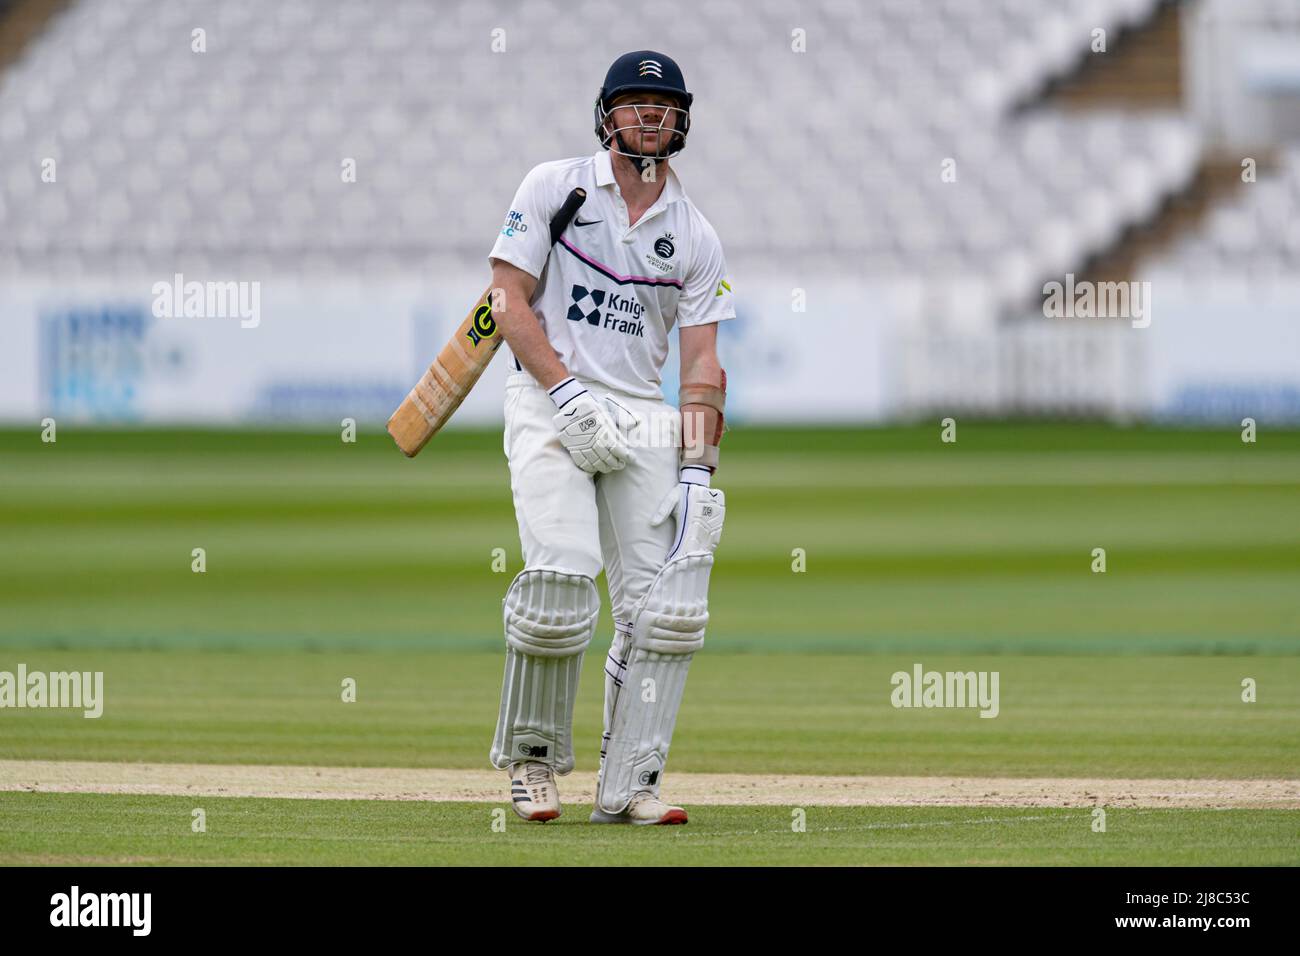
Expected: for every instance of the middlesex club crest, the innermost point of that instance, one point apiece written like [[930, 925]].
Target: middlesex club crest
[[664, 250]]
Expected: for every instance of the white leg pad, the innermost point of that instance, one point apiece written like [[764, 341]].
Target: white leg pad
[[667, 629], [550, 615]]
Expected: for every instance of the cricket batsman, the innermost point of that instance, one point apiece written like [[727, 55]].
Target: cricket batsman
[[599, 462]]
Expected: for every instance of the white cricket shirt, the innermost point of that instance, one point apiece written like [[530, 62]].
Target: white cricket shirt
[[608, 294]]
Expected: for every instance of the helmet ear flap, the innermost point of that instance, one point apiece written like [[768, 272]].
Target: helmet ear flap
[[602, 114], [599, 111]]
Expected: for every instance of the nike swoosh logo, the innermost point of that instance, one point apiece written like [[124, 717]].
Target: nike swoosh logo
[[579, 222]]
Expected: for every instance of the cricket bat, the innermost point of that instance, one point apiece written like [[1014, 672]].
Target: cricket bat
[[461, 362]]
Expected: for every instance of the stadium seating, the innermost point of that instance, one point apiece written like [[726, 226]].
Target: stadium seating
[[1256, 235], [232, 156]]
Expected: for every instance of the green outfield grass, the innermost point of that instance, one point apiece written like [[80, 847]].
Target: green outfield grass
[[911, 545], [328, 561], [1087, 716], [81, 829]]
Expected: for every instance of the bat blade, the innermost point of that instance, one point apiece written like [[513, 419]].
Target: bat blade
[[462, 361]]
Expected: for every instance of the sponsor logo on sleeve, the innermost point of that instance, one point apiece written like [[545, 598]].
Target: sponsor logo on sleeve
[[514, 224]]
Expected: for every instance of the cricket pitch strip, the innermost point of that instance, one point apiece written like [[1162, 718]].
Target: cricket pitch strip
[[488, 786]]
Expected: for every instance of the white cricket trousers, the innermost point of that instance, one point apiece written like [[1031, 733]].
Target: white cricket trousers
[[570, 519]]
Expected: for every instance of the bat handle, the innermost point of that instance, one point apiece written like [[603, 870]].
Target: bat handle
[[568, 209]]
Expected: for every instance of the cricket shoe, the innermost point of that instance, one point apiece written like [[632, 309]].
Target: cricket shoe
[[644, 809], [533, 793]]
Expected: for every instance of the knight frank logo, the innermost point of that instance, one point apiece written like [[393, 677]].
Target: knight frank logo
[[621, 312], [586, 305]]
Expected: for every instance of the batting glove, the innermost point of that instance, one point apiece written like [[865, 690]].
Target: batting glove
[[586, 430], [699, 511]]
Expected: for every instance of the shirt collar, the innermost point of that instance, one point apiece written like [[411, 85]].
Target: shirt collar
[[604, 168], [673, 190]]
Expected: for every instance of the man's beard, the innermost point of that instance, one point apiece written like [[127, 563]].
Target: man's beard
[[639, 158]]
